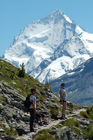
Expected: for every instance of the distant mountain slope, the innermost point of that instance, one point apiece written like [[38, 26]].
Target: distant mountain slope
[[79, 83], [50, 47]]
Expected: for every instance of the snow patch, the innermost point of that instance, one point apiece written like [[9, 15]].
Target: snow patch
[[67, 18]]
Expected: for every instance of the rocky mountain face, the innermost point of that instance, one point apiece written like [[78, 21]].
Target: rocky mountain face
[[50, 47], [79, 84], [14, 121]]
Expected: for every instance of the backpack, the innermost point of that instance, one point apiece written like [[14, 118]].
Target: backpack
[[27, 103]]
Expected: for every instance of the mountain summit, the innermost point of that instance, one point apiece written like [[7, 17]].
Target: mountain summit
[[50, 47]]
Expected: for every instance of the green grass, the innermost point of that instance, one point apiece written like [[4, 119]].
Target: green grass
[[44, 131], [72, 124], [53, 112], [70, 109], [44, 137], [88, 132], [84, 114], [75, 126], [88, 113], [10, 132], [9, 74], [2, 99]]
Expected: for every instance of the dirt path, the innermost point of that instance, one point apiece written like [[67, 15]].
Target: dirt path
[[52, 123]]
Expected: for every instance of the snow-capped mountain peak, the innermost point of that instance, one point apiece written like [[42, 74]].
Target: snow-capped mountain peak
[[50, 47]]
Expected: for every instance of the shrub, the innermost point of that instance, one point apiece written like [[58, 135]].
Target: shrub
[[71, 123], [54, 112], [90, 133], [12, 76], [84, 114], [10, 132], [44, 137], [90, 112], [22, 71]]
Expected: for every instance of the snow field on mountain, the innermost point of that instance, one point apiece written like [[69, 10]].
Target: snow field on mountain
[[50, 47]]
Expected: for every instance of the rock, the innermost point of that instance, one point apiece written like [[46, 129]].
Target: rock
[[2, 74], [6, 125], [10, 70], [49, 94], [9, 138], [14, 82], [83, 121], [53, 130], [38, 85], [1, 106], [64, 133], [1, 130], [20, 131]]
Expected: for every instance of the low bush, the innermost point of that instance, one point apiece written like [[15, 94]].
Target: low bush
[[84, 114], [54, 113], [44, 137]]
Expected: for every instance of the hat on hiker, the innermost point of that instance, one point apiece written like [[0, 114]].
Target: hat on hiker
[[33, 89]]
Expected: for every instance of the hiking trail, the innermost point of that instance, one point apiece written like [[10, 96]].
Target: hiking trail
[[52, 123]]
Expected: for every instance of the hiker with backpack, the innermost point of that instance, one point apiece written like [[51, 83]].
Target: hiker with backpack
[[62, 94], [31, 104]]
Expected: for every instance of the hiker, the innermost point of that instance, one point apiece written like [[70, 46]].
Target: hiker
[[34, 114], [62, 95], [32, 108]]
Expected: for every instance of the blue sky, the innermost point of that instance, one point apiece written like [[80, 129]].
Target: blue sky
[[16, 14]]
